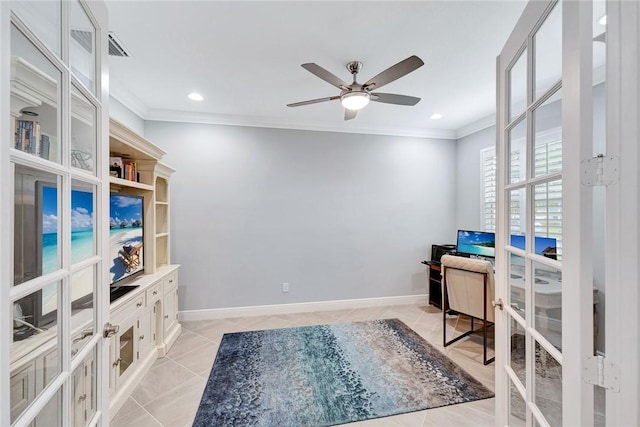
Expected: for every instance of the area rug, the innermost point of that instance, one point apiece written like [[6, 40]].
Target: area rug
[[329, 374]]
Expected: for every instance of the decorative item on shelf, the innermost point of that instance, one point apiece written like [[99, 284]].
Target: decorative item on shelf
[[81, 159], [115, 167]]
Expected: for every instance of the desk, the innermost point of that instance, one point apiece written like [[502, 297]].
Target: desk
[[548, 305]]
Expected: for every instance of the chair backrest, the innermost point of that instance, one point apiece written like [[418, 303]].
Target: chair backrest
[[465, 279]]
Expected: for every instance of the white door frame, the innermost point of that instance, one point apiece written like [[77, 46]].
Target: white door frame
[[622, 211]]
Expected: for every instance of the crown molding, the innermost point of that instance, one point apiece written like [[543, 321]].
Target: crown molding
[[229, 120], [130, 101], [162, 115], [476, 126]]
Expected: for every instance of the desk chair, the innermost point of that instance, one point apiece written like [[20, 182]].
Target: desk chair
[[469, 286]]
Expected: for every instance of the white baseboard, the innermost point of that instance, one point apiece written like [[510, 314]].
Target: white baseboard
[[304, 307]]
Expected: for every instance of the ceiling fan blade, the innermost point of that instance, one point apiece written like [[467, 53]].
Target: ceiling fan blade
[[392, 98], [325, 75], [313, 101], [394, 72], [350, 114]]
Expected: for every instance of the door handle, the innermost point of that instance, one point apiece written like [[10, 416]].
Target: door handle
[[110, 330]]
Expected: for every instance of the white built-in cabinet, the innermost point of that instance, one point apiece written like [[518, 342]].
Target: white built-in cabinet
[[147, 317]]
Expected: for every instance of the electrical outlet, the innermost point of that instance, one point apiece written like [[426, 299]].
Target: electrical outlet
[[285, 287]]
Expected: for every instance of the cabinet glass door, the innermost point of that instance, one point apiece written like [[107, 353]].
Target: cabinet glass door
[[127, 351]]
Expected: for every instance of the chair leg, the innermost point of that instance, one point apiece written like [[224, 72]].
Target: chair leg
[[484, 345], [444, 332]]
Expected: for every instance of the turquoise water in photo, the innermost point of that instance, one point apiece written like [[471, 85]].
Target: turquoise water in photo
[[476, 249], [82, 247]]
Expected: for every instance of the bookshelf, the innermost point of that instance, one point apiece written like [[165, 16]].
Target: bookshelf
[[151, 181], [163, 173]]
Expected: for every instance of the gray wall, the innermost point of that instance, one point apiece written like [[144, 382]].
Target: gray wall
[[124, 115], [337, 216], [467, 178]]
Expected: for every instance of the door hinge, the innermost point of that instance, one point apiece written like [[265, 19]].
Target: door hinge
[[603, 373], [600, 171]]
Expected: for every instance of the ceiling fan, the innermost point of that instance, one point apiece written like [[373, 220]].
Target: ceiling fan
[[356, 96]]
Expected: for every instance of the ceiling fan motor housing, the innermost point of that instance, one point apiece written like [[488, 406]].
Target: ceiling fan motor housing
[[354, 67]]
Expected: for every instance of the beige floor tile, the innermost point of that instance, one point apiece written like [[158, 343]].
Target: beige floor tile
[[161, 378], [187, 342], [179, 405], [462, 415], [132, 414], [200, 360]]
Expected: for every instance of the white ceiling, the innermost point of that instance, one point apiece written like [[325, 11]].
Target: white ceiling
[[244, 58]]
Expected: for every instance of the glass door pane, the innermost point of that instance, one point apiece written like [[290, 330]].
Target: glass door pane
[[36, 233], [33, 351], [518, 87], [83, 233], [82, 49], [44, 18], [83, 132], [35, 100], [548, 52], [517, 152]]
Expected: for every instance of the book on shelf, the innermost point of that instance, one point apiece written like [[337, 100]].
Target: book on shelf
[[129, 171], [30, 139]]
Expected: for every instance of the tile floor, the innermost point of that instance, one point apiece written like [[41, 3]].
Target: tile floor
[[170, 392]]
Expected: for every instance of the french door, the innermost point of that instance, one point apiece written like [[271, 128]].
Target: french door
[[567, 136], [53, 216]]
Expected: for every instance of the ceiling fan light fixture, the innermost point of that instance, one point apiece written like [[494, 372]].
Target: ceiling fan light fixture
[[355, 100]]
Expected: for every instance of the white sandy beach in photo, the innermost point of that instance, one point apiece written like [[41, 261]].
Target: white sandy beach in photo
[[119, 238]]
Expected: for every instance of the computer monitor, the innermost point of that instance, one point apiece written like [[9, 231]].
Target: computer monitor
[[545, 246], [476, 243]]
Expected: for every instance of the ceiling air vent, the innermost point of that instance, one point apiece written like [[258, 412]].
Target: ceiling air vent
[[84, 39], [116, 48]]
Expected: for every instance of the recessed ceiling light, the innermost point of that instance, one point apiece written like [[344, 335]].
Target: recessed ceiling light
[[436, 116], [195, 97], [603, 20]]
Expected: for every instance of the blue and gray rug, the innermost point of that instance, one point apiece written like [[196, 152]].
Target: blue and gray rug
[[329, 374]]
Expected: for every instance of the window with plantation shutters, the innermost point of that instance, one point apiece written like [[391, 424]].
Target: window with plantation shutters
[[488, 191], [547, 197]]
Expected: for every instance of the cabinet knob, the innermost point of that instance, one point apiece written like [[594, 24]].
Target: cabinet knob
[[141, 337], [166, 316], [117, 362], [139, 304], [82, 398], [155, 292]]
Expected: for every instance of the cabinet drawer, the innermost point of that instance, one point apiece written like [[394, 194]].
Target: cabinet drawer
[[154, 293], [129, 309], [170, 282]]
